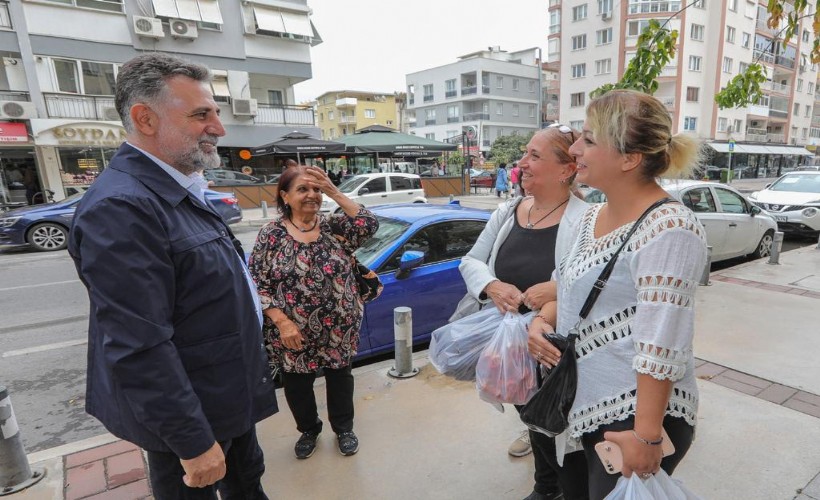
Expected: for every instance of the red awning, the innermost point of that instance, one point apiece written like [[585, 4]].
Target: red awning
[[13, 132]]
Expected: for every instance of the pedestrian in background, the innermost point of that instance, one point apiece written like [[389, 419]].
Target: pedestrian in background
[[303, 269], [636, 373], [515, 179], [501, 181], [512, 262], [175, 363]]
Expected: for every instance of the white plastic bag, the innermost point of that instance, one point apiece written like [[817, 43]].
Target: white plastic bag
[[455, 347], [505, 372], [657, 487]]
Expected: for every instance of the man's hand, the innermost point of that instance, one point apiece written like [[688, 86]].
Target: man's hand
[[205, 469]]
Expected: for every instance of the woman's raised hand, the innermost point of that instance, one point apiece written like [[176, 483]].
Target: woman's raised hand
[[320, 179]]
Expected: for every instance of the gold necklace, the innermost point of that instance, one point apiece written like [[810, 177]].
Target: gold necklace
[[530, 225], [311, 228]]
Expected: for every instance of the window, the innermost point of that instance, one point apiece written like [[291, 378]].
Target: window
[[274, 96], [727, 64], [439, 243], [555, 21], [515, 84], [730, 34], [450, 88], [84, 77], [690, 123], [531, 85], [696, 32], [635, 28], [375, 185], [532, 110], [808, 111], [699, 200], [604, 36], [499, 108], [733, 5], [499, 82], [730, 202], [431, 136], [400, 183], [109, 5], [428, 92], [738, 125], [576, 99], [330, 115], [430, 116], [694, 63], [370, 113], [604, 6], [800, 85], [579, 70], [745, 39], [723, 124], [742, 67], [577, 124], [692, 94], [810, 89], [579, 13], [603, 66], [515, 109], [452, 114], [700, 4], [804, 132], [579, 42], [806, 35], [796, 111]]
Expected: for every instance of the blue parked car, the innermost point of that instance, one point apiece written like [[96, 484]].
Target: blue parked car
[[45, 227], [416, 253]]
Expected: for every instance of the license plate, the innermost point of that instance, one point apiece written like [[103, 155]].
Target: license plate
[[781, 218]]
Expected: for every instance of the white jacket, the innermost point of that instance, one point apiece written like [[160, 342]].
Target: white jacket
[[478, 266]]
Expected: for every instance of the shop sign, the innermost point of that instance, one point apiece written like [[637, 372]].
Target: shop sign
[[82, 134], [13, 132]]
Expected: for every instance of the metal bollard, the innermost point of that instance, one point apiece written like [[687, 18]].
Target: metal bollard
[[707, 269], [403, 332], [15, 473], [264, 209], [777, 245]]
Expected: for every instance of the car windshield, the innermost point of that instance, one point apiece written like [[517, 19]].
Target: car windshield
[[389, 230], [800, 183], [351, 184]]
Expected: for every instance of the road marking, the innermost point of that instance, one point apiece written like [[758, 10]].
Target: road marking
[[45, 347], [21, 287]]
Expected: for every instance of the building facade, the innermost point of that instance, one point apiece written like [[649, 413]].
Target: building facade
[[492, 92], [57, 79], [343, 112], [593, 42]]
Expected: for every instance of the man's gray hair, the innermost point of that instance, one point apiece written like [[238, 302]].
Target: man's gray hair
[[144, 79]]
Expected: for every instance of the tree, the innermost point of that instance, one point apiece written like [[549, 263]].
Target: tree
[[509, 148], [657, 46]]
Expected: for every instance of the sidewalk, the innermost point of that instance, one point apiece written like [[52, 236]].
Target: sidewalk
[[430, 437]]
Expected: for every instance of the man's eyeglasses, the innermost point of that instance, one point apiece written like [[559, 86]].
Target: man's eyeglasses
[[563, 129]]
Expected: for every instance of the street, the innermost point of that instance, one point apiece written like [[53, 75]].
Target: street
[[44, 311]]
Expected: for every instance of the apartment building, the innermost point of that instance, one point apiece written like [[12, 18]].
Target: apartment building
[[60, 62], [593, 42], [494, 91], [343, 112]]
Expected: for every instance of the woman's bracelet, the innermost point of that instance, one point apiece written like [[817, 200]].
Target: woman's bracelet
[[644, 441], [543, 318]]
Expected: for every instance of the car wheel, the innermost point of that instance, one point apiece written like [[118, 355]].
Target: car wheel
[[764, 248], [47, 237]]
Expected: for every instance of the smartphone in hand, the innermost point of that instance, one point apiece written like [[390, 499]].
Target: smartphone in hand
[[610, 453]]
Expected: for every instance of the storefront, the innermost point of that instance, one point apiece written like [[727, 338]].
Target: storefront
[[19, 176]]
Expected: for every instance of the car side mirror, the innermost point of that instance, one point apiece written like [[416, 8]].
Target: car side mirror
[[755, 210], [364, 191], [409, 260]]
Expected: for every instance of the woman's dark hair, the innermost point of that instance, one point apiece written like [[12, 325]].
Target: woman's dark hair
[[285, 180]]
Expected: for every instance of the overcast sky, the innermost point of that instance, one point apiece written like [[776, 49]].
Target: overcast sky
[[372, 44]]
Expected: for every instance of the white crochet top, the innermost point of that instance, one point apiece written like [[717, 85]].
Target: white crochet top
[[643, 321]]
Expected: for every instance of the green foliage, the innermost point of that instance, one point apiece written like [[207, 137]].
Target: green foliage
[[743, 89], [509, 148], [455, 158]]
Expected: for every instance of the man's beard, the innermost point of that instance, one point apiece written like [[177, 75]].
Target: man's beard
[[190, 159]]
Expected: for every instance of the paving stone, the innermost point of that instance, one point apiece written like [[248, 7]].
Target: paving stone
[[746, 379], [699, 362], [737, 281], [807, 397], [798, 291], [725, 381], [85, 480], [99, 452], [803, 407], [125, 468], [776, 288], [777, 393], [813, 295], [813, 488], [136, 490], [708, 370]]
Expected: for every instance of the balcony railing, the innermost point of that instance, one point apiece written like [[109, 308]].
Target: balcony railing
[[277, 114], [428, 98], [80, 106], [453, 119], [647, 7], [786, 62], [779, 138], [669, 102], [347, 119], [468, 90], [764, 57], [5, 18], [476, 116], [430, 122], [450, 93], [11, 95], [761, 26], [777, 87], [778, 113]]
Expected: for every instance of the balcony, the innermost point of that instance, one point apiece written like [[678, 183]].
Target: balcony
[[469, 90], [85, 107], [759, 109], [453, 119], [669, 102], [430, 122], [347, 119], [756, 134], [411, 100], [652, 7], [778, 138], [469, 117], [13, 95], [555, 28], [485, 89], [786, 62], [5, 18], [776, 87], [449, 94], [763, 28], [428, 98], [347, 102], [486, 143], [284, 115], [764, 57]]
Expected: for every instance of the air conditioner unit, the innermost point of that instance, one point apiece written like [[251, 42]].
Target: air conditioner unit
[[244, 107], [606, 16], [109, 113], [181, 28], [149, 27], [17, 110]]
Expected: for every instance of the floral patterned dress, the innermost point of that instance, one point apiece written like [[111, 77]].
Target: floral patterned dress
[[313, 284]]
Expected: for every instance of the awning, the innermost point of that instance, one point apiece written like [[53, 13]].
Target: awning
[[281, 21], [789, 150], [297, 24], [720, 147], [754, 149], [759, 149], [13, 132], [206, 11]]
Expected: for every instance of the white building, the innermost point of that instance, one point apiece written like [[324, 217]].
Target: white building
[[593, 42], [494, 91], [61, 59]]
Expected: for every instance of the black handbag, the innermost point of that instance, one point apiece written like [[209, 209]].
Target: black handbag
[[547, 411], [367, 281]]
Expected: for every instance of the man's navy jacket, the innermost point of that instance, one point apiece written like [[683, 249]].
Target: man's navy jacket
[[175, 354]]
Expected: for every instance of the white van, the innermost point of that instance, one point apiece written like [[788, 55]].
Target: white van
[[379, 189]]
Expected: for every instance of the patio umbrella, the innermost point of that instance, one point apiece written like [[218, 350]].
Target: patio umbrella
[[380, 139], [299, 143]]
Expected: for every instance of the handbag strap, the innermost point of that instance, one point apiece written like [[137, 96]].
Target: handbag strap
[[600, 283]]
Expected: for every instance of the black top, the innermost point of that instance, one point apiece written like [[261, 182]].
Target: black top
[[526, 257]]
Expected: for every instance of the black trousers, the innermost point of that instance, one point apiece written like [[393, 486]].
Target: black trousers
[[302, 400], [583, 475], [543, 446], [245, 466]]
